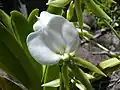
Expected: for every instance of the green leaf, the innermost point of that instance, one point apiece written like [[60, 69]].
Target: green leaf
[[58, 3], [70, 11], [108, 66], [52, 73], [109, 63], [113, 30], [89, 76], [6, 84], [32, 17], [54, 83], [111, 69], [78, 85], [6, 20], [80, 75], [86, 64], [74, 17], [78, 9], [97, 10], [21, 25], [84, 33], [19, 53], [22, 28], [55, 10], [12, 65], [65, 76], [61, 79]]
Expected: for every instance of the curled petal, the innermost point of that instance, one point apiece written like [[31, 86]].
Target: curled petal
[[38, 49], [43, 20], [37, 26], [70, 36], [51, 24], [61, 29], [73, 46], [54, 41], [61, 35]]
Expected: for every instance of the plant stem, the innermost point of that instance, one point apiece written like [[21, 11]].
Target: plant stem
[[113, 30], [61, 79]]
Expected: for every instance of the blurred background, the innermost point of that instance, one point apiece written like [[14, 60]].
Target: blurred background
[[24, 6]]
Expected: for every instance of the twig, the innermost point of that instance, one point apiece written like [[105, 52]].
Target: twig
[[104, 53], [101, 33]]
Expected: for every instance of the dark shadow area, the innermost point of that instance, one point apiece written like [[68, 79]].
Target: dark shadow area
[[101, 84], [24, 6]]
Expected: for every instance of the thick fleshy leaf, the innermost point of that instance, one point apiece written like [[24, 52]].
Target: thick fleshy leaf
[[21, 25], [65, 76], [78, 9], [110, 68], [86, 64], [54, 83], [79, 85], [58, 3], [6, 84], [20, 54], [6, 20], [22, 29], [80, 75], [12, 65], [39, 49], [112, 62], [32, 17], [70, 11], [52, 73], [55, 10], [96, 9]]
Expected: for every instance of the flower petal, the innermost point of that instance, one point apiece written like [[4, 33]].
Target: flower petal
[[73, 45], [54, 41], [38, 49], [52, 25], [37, 26], [70, 36], [60, 35], [43, 20]]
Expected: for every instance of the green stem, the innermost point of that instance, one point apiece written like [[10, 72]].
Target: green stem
[[61, 79], [113, 30], [102, 47], [78, 10]]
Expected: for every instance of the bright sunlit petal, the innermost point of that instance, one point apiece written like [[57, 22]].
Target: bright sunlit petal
[[39, 50], [70, 36], [53, 37]]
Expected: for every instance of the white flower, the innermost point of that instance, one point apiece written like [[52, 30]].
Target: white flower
[[53, 37]]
